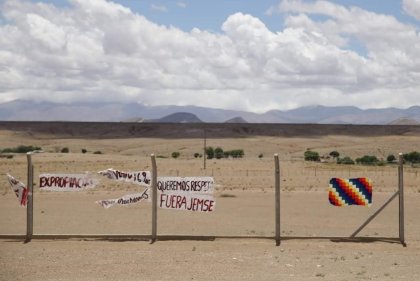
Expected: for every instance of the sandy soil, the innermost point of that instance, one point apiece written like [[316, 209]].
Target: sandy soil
[[244, 206]]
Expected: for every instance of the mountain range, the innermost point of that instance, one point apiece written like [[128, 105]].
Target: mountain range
[[21, 110]]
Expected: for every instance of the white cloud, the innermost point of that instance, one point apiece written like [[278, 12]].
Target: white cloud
[[412, 8], [99, 50], [181, 4], [159, 8]]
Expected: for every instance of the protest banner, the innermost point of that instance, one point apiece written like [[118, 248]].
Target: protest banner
[[66, 182], [188, 193], [187, 202], [200, 185], [19, 189], [140, 177], [126, 199]]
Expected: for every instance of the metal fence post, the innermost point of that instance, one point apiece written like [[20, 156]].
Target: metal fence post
[[277, 197], [154, 198], [204, 149], [30, 204], [401, 197]]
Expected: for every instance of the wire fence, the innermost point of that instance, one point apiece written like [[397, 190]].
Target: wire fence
[[244, 192]]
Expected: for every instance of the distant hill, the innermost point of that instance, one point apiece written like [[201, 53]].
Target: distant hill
[[236, 120], [404, 121], [20, 110], [178, 117]]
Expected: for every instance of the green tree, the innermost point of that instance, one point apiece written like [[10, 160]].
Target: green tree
[[84, 150], [367, 160], [311, 155], [210, 152], [345, 160], [412, 157], [218, 153], [334, 154], [237, 153], [21, 149], [175, 154], [65, 150], [391, 158]]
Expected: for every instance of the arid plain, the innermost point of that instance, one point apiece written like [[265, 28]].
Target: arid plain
[[245, 206]]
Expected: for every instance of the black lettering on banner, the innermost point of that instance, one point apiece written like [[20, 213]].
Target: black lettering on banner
[[145, 179], [136, 177], [184, 184], [131, 176], [134, 199]]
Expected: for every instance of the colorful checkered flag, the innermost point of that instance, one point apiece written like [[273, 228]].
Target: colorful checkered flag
[[357, 191]]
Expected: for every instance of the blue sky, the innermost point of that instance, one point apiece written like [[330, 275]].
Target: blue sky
[[247, 55], [210, 15]]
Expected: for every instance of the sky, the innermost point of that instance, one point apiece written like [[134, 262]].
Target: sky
[[232, 54]]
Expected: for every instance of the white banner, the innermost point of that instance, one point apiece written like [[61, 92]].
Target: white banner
[[187, 202], [140, 177], [126, 199], [179, 185], [19, 189], [66, 182]]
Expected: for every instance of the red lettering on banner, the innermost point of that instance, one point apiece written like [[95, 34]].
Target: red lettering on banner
[[63, 182], [162, 199], [181, 202], [211, 205]]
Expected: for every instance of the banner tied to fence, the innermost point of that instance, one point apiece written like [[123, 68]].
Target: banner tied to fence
[[139, 177], [126, 199], [19, 189], [357, 191], [190, 193], [66, 182]]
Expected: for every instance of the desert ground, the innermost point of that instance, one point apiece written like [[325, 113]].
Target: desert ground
[[310, 249]]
